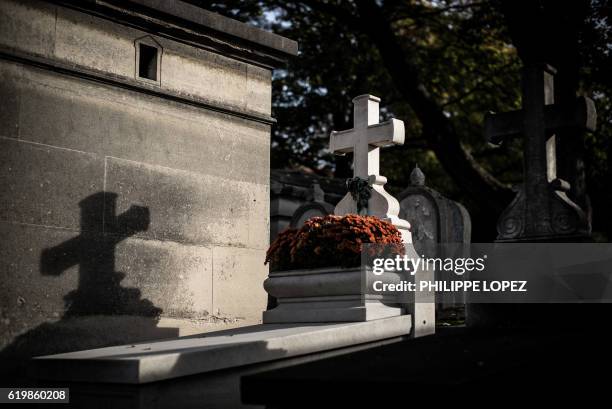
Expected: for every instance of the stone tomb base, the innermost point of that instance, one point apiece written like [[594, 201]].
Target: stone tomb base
[[329, 295], [198, 354]]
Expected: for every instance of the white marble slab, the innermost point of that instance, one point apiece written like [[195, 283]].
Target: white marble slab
[[166, 359]]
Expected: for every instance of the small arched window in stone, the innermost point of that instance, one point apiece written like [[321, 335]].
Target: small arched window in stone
[[148, 60]]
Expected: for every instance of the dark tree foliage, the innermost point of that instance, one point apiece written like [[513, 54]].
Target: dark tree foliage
[[439, 66]]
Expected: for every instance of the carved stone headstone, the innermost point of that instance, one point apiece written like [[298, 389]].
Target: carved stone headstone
[[541, 210], [435, 219]]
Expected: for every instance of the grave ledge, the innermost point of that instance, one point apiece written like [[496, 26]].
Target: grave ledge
[[173, 358]]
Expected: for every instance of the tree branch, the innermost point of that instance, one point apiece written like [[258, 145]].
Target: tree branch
[[437, 128]]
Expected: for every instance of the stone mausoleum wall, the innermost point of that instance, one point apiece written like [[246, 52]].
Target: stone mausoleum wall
[[130, 207]]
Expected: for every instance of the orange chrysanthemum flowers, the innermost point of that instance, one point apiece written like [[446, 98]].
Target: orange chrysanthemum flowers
[[331, 241]]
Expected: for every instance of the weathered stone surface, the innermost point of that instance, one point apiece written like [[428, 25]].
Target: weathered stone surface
[[27, 297], [190, 207], [238, 278], [215, 77], [436, 222], [9, 114], [62, 34], [34, 188], [116, 192], [434, 218], [259, 89], [77, 115], [219, 389], [75, 32], [327, 295], [29, 25], [222, 24], [53, 335], [541, 210], [174, 279], [149, 362]]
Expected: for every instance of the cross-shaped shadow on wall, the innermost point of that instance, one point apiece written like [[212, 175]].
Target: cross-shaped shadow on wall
[[99, 311], [99, 290]]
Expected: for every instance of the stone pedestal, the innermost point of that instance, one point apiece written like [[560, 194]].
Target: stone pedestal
[[327, 295], [347, 295]]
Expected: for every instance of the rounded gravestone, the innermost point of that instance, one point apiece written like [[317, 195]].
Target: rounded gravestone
[[308, 211], [318, 207], [436, 221], [418, 205]]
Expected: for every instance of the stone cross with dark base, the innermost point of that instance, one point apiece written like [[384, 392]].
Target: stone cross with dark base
[[541, 210]]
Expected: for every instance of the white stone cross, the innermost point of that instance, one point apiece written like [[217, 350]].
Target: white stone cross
[[365, 140], [367, 136]]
